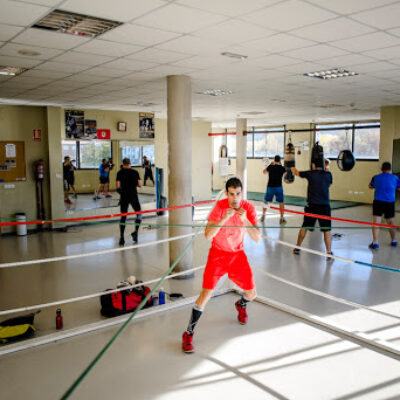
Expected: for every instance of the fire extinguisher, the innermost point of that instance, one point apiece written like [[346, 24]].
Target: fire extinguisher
[[39, 170]]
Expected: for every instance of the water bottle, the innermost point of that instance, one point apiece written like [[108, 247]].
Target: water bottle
[[161, 296], [59, 319]]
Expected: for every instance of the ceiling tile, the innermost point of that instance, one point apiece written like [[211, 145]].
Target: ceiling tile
[[12, 49], [313, 53], [181, 19], [231, 8], [278, 43], [348, 7], [138, 35], [15, 13], [335, 29], [48, 3], [346, 61], [130, 65], [49, 74], [8, 31], [61, 66], [382, 18], [372, 67], [193, 46], [86, 77], [75, 57], [55, 40], [367, 42], [384, 54], [395, 31], [289, 15], [272, 61], [124, 10], [19, 61], [233, 31], [108, 72], [157, 56], [201, 62], [107, 48]]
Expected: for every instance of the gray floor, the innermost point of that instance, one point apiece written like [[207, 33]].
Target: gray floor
[[274, 356]]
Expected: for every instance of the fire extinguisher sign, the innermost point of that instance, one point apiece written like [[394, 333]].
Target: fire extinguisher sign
[[104, 134], [37, 135]]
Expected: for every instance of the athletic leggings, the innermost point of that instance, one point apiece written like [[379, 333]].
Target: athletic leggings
[[134, 202]]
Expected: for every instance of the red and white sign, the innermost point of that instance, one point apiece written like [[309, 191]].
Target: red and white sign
[[104, 134], [37, 135]]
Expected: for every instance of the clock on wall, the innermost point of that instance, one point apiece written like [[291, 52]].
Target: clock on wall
[[121, 127]]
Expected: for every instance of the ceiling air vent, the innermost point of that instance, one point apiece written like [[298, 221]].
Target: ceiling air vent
[[76, 24]]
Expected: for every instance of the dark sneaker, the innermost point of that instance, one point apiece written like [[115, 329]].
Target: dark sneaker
[[296, 251], [242, 313], [187, 342], [121, 241], [282, 221], [108, 195], [262, 219], [134, 237], [374, 246], [393, 243], [96, 198], [330, 258]]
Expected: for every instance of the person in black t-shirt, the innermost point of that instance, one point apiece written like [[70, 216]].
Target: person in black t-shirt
[[127, 181], [274, 188], [319, 182], [66, 178], [148, 173]]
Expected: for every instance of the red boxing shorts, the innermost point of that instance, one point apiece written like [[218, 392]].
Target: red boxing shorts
[[235, 264]]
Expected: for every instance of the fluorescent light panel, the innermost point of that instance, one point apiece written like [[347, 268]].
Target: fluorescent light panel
[[215, 92], [333, 73], [233, 55], [11, 71]]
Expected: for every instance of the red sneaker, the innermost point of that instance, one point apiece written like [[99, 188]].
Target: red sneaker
[[242, 314], [68, 201], [187, 342]]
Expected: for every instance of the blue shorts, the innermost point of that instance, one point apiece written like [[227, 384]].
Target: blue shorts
[[274, 191]]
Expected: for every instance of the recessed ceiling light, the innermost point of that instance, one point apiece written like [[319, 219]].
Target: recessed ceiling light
[[233, 55], [331, 73], [76, 24], [215, 92], [143, 104], [29, 53], [11, 71]]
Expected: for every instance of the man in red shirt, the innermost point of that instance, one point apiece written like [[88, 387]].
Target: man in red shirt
[[226, 254]]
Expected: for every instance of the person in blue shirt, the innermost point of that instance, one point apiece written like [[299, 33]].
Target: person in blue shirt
[[319, 181], [385, 186], [104, 171]]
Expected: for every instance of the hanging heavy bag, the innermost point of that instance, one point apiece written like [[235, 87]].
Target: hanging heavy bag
[[289, 162], [346, 160], [317, 156]]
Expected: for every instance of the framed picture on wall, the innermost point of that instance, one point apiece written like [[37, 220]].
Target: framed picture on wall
[[90, 129], [146, 125], [121, 126], [74, 124]]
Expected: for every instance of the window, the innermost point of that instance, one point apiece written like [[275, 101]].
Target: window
[[366, 141], [136, 153], [231, 144], [87, 154], [361, 138], [92, 152], [249, 146]]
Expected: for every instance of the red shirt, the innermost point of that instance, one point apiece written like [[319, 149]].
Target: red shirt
[[231, 239]]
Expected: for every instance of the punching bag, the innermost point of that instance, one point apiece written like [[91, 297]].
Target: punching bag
[[317, 156], [289, 162], [346, 160]]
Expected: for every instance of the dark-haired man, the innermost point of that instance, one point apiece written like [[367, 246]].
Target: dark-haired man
[[226, 254], [385, 185], [127, 181], [318, 202], [274, 187]]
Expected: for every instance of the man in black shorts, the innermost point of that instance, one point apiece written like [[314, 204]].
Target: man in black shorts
[[319, 182], [274, 188], [127, 181]]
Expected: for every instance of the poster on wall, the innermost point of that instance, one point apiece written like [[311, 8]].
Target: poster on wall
[[103, 134], [74, 124], [90, 129], [146, 125]]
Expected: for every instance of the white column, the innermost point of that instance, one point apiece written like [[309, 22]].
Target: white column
[[179, 103], [241, 156]]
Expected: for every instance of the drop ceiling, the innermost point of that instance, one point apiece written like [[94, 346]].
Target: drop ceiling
[[282, 39]]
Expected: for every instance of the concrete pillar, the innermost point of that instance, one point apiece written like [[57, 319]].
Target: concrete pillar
[[241, 156], [390, 130], [179, 103]]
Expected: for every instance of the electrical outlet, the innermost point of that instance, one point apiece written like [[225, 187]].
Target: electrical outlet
[[9, 186], [355, 192], [350, 192], [361, 193]]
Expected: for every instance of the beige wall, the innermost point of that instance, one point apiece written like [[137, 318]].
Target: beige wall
[[17, 124]]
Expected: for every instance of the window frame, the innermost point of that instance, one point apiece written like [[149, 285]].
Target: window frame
[[78, 154], [354, 129], [140, 153]]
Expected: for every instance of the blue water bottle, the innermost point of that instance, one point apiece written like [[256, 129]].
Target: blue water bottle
[[161, 296]]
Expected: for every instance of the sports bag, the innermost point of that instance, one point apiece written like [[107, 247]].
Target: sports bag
[[124, 302], [17, 328]]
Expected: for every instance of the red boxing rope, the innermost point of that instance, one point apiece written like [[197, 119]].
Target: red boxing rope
[[102, 216], [350, 221]]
